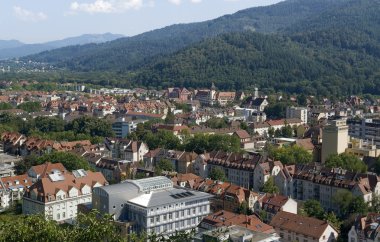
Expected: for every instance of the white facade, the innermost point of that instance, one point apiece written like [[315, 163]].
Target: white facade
[[57, 195], [169, 218], [63, 209]]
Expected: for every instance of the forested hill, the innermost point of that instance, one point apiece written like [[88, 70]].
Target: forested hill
[[243, 60], [319, 47], [128, 53], [334, 53]]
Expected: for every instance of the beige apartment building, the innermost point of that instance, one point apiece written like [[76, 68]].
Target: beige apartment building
[[334, 138]]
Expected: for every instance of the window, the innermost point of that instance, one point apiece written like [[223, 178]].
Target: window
[[63, 215], [151, 220], [157, 219], [193, 210], [58, 216], [188, 212], [182, 213], [170, 216], [164, 219]]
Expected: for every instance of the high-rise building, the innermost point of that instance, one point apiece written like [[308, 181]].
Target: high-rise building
[[334, 138]]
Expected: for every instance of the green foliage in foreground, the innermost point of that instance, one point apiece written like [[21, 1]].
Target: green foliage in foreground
[[88, 227], [93, 227]]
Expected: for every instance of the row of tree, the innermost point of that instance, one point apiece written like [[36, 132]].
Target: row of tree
[[198, 143], [54, 128]]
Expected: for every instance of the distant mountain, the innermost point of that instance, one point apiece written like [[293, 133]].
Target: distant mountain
[[5, 44], [128, 53], [14, 48]]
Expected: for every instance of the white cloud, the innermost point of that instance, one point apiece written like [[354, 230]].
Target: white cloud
[[27, 15], [111, 6], [106, 6], [176, 2]]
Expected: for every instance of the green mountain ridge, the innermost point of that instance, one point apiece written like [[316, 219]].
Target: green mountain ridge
[[319, 47], [129, 53]]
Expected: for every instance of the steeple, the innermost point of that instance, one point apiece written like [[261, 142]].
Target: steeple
[[213, 87]]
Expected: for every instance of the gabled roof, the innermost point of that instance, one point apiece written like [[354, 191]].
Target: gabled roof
[[225, 218], [306, 226], [47, 168], [242, 134]]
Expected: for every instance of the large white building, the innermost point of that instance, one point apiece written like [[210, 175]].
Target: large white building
[[58, 193], [153, 205]]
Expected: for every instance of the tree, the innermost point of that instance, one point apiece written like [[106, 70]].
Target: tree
[[270, 186], [287, 131], [95, 227], [91, 126], [271, 132], [375, 204], [32, 228], [302, 99], [30, 107], [165, 165], [70, 161], [314, 209], [292, 154], [333, 219], [49, 124], [88, 227], [277, 133], [217, 123], [5, 106], [342, 199], [244, 209], [358, 206], [347, 162], [170, 117], [217, 174]]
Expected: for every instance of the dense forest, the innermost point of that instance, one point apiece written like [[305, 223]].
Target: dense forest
[[326, 47], [130, 52]]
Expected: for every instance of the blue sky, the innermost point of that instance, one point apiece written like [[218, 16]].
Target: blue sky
[[33, 21]]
